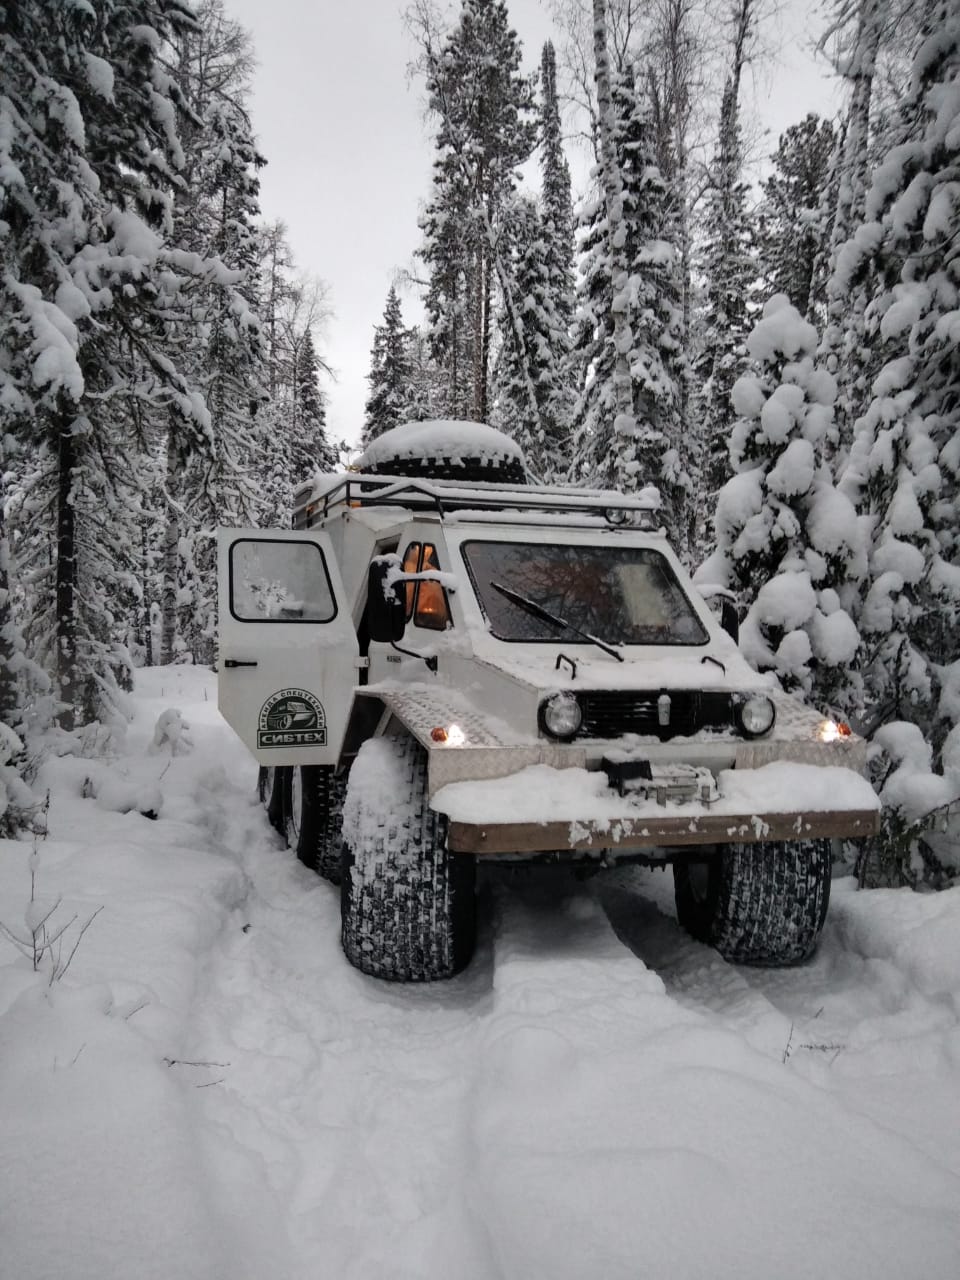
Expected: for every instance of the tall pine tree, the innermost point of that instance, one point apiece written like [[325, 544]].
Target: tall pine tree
[[792, 218], [390, 373], [904, 465], [91, 161], [485, 132]]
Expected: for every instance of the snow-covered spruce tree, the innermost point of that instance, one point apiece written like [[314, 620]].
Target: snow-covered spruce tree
[[793, 232], [16, 799], [788, 541], [90, 288], [630, 271], [674, 59], [310, 446], [221, 348], [862, 32], [277, 287], [291, 306], [534, 383], [559, 283], [531, 397], [728, 270], [485, 131], [556, 197], [426, 392], [389, 375], [904, 465]]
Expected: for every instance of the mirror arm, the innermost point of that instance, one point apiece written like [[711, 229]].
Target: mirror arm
[[431, 660]]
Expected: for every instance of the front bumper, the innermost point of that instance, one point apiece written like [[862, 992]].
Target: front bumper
[[572, 811], [505, 794]]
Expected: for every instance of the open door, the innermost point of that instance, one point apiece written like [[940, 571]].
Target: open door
[[288, 647]]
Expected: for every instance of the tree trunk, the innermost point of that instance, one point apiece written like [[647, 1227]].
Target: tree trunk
[[486, 290], [480, 285], [624, 425], [146, 618], [170, 564], [9, 686], [66, 575]]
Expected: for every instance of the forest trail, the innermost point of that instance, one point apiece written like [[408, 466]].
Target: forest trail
[[596, 1094]]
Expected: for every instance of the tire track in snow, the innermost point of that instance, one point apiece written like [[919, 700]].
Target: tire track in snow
[[639, 906], [344, 1101], [847, 1021], [545, 1113], [609, 1095]]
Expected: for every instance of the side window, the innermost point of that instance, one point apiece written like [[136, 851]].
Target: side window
[[411, 564], [426, 601], [276, 581], [432, 610]]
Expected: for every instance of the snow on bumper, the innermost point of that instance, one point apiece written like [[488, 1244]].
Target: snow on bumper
[[541, 808]]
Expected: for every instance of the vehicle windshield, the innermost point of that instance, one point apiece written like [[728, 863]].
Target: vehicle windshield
[[627, 595]]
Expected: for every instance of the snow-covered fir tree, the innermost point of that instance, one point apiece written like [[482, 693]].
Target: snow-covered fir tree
[[535, 384], [793, 223], [427, 385], [729, 270], [90, 162], [294, 309], [788, 542], [485, 131], [532, 399], [557, 200], [641, 286], [310, 446], [861, 30], [223, 351], [390, 374], [904, 465]]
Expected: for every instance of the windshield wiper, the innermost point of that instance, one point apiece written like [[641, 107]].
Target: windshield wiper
[[538, 611]]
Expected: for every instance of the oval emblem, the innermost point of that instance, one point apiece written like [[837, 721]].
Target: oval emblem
[[291, 718]]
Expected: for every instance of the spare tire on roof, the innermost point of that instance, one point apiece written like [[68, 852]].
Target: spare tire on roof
[[445, 449]]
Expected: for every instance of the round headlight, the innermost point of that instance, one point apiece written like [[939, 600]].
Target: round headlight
[[756, 714], [561, 715]]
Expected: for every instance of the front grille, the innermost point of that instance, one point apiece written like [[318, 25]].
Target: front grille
[[611, 715]]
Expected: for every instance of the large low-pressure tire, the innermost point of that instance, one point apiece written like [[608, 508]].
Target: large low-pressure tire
[[271, 785], [408, 909], [312, 816], [762, 904]]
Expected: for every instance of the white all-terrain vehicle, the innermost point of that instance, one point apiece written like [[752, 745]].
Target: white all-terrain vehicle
[[442, 664]]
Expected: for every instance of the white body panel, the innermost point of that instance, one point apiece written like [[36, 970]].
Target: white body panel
[[288, 645], [488, 690]]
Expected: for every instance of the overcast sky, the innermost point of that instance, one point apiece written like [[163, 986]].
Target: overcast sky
[[349, 151]]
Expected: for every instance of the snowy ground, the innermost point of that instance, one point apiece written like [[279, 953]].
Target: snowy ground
[[211, 1091]]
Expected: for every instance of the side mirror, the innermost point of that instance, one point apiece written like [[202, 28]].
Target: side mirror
[[730, 619], [386, 607]]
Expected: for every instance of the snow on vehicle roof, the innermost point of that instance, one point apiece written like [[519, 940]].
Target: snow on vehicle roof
[[440, 438]]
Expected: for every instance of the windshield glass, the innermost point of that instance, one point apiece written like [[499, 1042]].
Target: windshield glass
[[625, 595]]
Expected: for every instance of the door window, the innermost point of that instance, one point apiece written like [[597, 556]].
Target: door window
[[276, 581]]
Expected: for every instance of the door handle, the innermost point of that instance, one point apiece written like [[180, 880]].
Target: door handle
[[236, 662]]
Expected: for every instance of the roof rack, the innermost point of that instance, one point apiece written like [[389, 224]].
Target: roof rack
[[316, 500]]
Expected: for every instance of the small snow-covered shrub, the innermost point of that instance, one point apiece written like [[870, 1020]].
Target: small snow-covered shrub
[[170, 735], [47, 940], [919, 839]]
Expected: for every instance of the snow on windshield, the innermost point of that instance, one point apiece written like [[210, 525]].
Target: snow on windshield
[[623, 595]]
